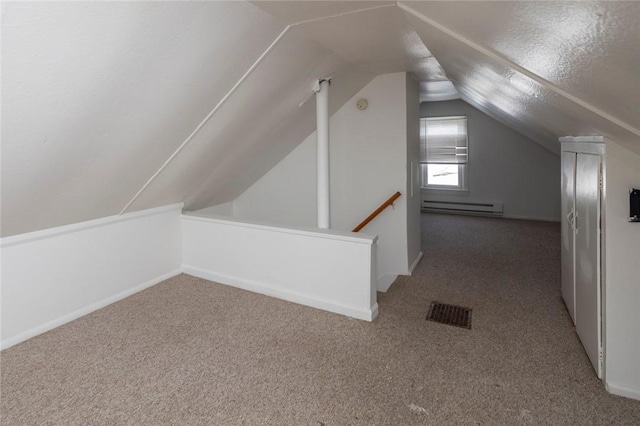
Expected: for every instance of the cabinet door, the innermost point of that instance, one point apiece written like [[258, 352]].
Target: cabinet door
[[568, 234], [587, 252]]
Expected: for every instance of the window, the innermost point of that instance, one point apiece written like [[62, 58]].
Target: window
[[443, 152]]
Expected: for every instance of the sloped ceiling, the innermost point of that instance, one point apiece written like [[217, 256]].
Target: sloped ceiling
[[545, 68], [110, 107], [303, 11], [373, 35], [100, 101], [377, 38], [256, 127]]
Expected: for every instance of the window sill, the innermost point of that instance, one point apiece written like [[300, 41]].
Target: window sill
[[450, 191]]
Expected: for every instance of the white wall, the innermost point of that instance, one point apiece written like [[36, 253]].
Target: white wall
[[91, 88], [504, 166], [368, 165], [622, 283], [324, 269], [225, 209], [286, 194], [54, 276], [414, 241]]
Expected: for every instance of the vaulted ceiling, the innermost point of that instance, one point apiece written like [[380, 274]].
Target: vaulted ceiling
[[544, 68], [110, 107]]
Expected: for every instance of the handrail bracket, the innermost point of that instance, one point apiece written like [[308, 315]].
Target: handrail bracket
[[389, 202]]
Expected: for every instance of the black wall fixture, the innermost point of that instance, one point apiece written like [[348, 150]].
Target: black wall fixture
[[634, 205]]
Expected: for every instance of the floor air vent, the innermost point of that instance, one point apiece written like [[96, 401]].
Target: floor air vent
[[450, 314]]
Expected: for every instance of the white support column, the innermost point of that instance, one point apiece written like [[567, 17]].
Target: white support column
[[322, 134]]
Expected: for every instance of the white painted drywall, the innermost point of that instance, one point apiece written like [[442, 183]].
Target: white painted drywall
[[97, 95], [99, 98], [295, 12], [412, 191], [368, 165], [54, 276], [225, 209], [622, 282], [379, 39], [504, 166], [256, 127], [285, 195], [324, 269]]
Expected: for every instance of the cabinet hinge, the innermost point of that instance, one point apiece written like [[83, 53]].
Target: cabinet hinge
[[601, 360]]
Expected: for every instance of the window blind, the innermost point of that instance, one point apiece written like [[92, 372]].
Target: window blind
[[443, 140]]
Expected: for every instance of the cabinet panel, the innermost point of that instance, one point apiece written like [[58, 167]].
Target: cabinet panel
[[587, 255], [568, 212]]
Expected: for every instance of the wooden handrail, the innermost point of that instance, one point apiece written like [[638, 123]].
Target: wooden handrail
[[377, 212]]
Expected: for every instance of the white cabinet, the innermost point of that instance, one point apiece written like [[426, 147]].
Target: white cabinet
[[568, 165], [582, 195]]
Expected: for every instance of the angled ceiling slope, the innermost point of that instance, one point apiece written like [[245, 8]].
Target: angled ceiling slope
[[110, 107], [373, 35], [267, 116], [547, 69]]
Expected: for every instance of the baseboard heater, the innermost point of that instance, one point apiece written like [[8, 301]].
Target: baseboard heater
[[462, 207]]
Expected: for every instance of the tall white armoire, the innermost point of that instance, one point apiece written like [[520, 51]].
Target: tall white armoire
[[583, 164]]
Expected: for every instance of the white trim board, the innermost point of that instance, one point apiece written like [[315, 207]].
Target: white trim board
[[495, 216], [75, 227], [539, 219], [280, 293], [43, 328], [622, 391], [415, 263], [330, 234], [384, 282], [54, 276]]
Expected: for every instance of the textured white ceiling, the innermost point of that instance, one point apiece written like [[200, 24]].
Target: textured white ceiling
[[294, 12], [438, 90], [590, 49], [545, 68], [99, 99], [373, 35]]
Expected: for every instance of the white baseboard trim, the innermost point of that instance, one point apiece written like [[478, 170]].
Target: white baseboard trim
[[623, 391], [284, 294], [374, 312], [498, 216], [415, 263], [35, 331], [385, 281], [540, 219]]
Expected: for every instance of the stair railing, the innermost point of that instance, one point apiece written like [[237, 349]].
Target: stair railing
[[379, 210]]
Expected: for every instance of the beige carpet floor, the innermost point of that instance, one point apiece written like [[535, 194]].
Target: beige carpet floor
[[188, 351]]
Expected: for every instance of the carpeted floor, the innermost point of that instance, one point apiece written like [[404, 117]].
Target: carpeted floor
[[188, 351]]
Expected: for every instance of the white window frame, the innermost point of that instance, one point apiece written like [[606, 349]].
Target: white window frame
[[462, 179], [462, 168]]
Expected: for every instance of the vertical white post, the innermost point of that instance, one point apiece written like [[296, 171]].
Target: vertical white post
[[322, 134]]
